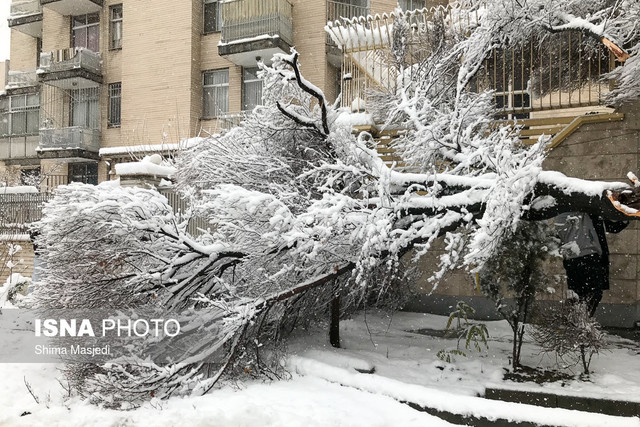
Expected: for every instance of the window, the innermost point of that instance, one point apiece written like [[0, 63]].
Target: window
[[85, 31], [115, 95], [86, 173], [212, 16], [412, 4], [215, 93], [85, 108], [251, 89], [20, 115], [115, 27]]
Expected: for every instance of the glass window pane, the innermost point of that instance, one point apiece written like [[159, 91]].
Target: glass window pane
[[211, 16], [79, 20], [79, 37], [19, 123], [93, 18], [33, 121], [93, 38], [4, 124], [116, 12], [116, 35], [33, 100], [18, 101]]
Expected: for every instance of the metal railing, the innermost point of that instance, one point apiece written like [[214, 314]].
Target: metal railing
[[336, 10], [16, 79], [24, 8], [247, 19], [71, 58], [227, 121], [181, 207], [70, 138], [18, 211], [561, 71]]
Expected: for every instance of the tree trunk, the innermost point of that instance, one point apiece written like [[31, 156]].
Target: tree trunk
[[334, 328]]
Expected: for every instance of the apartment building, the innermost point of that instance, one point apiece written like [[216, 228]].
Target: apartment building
[[92, 80]]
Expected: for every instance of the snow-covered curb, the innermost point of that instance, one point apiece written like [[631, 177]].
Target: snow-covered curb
[[465, 406]]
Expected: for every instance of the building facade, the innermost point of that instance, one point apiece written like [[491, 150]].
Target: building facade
[[120, 75]]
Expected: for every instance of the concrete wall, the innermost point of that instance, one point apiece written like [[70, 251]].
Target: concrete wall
[[4, 65]]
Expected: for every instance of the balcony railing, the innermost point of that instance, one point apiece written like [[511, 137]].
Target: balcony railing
[[17, 79], [19, 9], [70, 138], [249, 19], [227, 121], [336, 10], [563, 71], [70, 59]]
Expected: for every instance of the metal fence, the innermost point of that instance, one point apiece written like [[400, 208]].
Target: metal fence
[[246, 19], [18, 211], [563, 70], [181, 207]]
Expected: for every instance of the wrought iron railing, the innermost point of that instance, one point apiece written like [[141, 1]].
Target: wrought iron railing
[[336, 10], [562, 71], [227, 121], [248, 19], [18, 211]]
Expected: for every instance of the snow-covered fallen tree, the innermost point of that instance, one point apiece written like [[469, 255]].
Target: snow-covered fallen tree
[[302, 212]]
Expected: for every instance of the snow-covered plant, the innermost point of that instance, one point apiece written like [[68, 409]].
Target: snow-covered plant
[[571, 333], [475, 335], [514, 275]]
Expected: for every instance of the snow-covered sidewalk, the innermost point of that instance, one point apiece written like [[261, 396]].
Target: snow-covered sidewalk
[[327, 387]]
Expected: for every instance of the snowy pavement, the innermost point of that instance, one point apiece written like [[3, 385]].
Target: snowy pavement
[[327, 387]]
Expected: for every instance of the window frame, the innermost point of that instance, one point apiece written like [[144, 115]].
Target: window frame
[[85, 26], [113, 97], [89, 100], [245, 71], [113, 22], [12, 111], [206, 115], [218, 13]]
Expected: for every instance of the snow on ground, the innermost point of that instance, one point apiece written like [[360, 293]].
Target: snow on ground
[[327, 388]]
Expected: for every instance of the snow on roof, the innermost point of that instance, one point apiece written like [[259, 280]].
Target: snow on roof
[[19, 189], [127, 149], [150, 165], [250, 39]]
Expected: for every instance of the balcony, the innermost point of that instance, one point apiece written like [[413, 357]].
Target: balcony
[[69, 143], [26, 17], [18, 148], [74, 68], [255, 28], [73, 7], [21, 79]]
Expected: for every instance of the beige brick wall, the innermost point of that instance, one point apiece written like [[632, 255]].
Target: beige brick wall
[[56, 31], [156, 72], [23, 51]]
